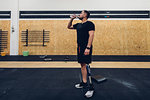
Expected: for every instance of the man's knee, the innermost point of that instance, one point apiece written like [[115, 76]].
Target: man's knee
[[83, 64]]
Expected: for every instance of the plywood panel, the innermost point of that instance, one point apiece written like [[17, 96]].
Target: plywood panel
[[5, 26], [148, 36], [136, 37], [62, 40], [108, 37], [112, 37]]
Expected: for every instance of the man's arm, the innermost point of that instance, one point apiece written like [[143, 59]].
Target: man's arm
[[91, 37], [70, 22], [90, 40]]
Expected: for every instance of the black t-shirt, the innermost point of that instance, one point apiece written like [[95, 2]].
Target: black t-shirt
[[83, 32]]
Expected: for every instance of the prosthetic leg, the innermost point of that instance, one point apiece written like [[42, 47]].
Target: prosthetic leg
[[90, 91]]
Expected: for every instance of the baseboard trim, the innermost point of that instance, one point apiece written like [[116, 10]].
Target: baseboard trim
[[142, 58]]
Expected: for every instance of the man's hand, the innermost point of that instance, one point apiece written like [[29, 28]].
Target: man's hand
[[87, 52], [73, 16]]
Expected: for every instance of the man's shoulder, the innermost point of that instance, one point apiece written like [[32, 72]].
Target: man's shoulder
[[76, 23], [90, 22]]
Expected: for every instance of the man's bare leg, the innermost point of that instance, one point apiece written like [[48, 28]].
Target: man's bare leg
[[83, 84], [84, 72]]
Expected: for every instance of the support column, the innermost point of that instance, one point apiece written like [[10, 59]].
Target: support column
[[14, 33]]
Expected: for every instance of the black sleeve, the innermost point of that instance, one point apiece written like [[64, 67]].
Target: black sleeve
[[75, 26], [91, 27]]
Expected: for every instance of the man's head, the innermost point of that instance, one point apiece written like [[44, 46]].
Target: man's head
[[84, 14]]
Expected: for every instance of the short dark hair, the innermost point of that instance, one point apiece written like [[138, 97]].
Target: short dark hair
[[88, 13]]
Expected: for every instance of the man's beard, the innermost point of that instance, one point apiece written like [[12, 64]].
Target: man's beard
[[80, 18]]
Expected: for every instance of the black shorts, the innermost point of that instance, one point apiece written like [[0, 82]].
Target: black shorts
[[84, 58]]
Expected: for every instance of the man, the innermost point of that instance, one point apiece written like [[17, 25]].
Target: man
[[85, 35]]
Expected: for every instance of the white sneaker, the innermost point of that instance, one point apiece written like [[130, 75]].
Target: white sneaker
[[81, 85], [89, 93], [78, 86]]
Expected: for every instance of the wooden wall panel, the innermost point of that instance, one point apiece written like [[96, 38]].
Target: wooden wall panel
[[112, 37], [136, 37], [108, 37], [5, 26], [62, 40], [148, 36]]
